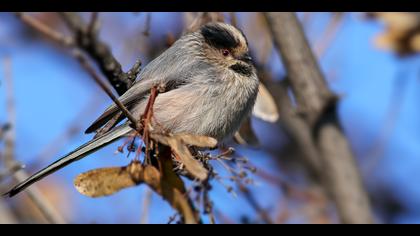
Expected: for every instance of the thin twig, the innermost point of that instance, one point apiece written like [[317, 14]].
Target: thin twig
[[86, 38], [10, 135], [10, 171], [208, 204], [380, 143], [147, 24], [84, 62], [250, 198], [3, 130], [34, 194], [47, 209], [233, 19], [45, 30], [202, 18], [6, 216], [93, 23], [222, 218], [172, 218], [100, 52], [329, 34], [144, 218]]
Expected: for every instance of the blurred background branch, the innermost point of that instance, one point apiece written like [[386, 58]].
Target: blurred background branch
[[86, 38], [317, 105], [49, 212]]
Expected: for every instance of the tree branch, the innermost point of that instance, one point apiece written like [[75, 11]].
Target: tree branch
[[296, 128], [88, 40], [6, 216], [317, 105], [308, 85], [45, 30], [83, 61]]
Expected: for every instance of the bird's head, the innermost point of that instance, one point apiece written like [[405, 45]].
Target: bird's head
[[226, 46]]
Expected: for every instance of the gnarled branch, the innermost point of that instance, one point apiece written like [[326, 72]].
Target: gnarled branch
[[317, 106]]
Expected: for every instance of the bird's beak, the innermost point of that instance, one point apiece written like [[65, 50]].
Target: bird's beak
[[245, 58]]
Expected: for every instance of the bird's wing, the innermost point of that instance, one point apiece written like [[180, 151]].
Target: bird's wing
[[80, 152], [136, 93], [139, 91], [173, 68]]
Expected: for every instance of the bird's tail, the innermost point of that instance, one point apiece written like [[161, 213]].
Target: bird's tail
[[82, 151]]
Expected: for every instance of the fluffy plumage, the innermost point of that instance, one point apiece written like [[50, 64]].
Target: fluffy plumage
[[211, 87]]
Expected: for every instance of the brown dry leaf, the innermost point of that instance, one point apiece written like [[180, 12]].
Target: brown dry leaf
[[246, 135], [193, 166], [415, 42], [265, 106], [152, 178], [173, 188], [189, 139], [178, 143], [107, 181], [401, 33], [170, 187], [399, 21], [198, 141]]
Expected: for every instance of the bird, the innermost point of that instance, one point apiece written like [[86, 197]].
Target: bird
[[211, 85]]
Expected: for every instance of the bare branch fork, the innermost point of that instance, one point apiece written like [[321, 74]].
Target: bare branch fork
[[316, 104], [86, 39], [83, 61]]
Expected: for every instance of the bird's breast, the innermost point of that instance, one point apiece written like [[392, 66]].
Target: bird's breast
[[214, 111]]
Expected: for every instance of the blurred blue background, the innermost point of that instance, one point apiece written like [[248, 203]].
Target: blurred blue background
[[378, 110]]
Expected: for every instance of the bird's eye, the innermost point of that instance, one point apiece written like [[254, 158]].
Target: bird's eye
[[225, 52]]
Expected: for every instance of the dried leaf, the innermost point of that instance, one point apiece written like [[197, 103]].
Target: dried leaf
[[400, 21], [265, 107], [193, 166], [246, 135], [170, 186], [152, 177], [401, 33], [107, 181], [198, 141], [161, 138], [179, 147], [183, 206], [415, 42], [174, 191]]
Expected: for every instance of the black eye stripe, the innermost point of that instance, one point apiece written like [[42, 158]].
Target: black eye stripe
[[218, 36]]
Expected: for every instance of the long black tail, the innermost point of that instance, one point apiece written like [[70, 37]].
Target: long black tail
[[75, 155]]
